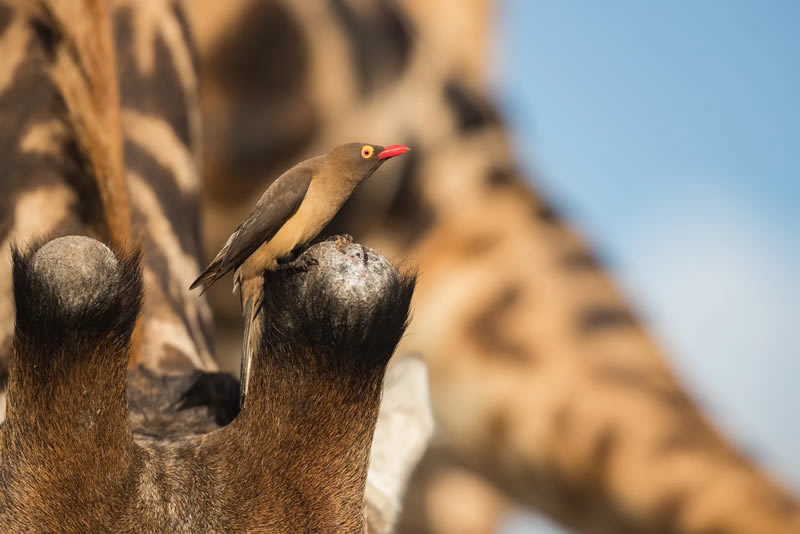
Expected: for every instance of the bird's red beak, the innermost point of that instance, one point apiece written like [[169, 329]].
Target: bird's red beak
[[392, 151]]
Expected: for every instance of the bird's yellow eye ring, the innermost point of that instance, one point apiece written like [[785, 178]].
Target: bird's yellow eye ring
[[366, 151]]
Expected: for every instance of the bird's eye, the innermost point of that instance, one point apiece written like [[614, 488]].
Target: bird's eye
[[366, 151]]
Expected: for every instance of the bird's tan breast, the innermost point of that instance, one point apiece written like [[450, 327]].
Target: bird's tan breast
[[323, 199]]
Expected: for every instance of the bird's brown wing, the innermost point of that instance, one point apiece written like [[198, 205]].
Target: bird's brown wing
[[278, 203]]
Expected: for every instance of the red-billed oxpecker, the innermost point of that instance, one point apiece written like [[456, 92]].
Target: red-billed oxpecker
[[290, 213]]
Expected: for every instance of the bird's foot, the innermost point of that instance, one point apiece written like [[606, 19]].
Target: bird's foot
[[301, 264]]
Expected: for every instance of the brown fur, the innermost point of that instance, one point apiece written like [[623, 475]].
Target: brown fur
[[66, 417], [295, 459]]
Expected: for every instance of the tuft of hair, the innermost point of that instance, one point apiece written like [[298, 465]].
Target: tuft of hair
[[76, 38], [74, 299], [344, 316]]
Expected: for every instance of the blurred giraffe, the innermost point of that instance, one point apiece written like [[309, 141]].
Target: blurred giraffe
[[147, 130], [543, 381]]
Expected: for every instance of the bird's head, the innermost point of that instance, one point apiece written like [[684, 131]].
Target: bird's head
[[359, 160]]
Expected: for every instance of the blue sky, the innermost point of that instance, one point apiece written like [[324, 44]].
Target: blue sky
[[670, 133]]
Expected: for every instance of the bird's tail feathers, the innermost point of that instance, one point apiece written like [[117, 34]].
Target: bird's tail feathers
[[257, 306], [215, 270], [206, 279], [244, 366], [251, 305], [252, 298]]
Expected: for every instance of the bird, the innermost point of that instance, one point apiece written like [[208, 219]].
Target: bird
[[290, 213]]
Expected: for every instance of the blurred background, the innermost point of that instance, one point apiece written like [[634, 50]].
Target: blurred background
[[660, 136], [668, 132]]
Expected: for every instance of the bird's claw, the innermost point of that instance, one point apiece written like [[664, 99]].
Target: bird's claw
[[301, 264]]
